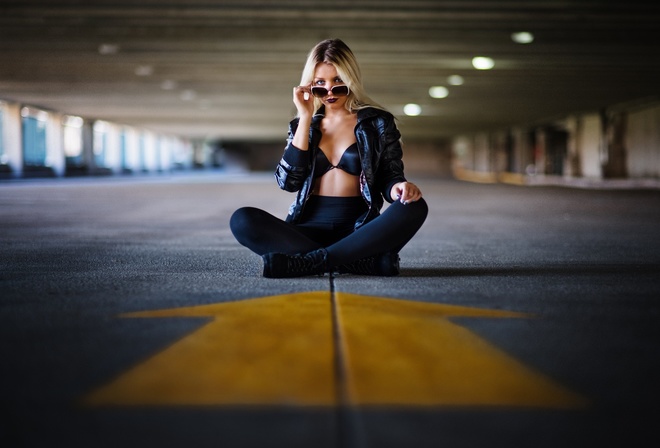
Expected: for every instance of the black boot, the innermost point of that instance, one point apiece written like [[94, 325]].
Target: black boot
[[278, 265], [384, 265]]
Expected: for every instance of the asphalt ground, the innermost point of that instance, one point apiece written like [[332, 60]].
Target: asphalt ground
[[434, 357]]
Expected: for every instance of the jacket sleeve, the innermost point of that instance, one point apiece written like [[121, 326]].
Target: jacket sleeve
[[294, 166], [390, 168]]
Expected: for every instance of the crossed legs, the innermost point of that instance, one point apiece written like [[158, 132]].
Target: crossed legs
[[264, 234]]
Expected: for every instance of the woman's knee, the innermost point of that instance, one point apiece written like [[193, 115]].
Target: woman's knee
[[412, 211], [421, 209], [243, 219]]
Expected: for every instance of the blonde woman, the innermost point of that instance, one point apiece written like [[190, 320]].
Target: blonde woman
[[343, 158]]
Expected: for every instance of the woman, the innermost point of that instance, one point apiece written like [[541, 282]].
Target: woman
[[342, 160]]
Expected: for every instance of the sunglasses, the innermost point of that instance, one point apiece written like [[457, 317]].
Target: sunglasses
[[320, 92]]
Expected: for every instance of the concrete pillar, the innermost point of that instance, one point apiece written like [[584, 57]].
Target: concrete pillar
[[523, 150], [588, 144], [482, 158], [132, 142], [614, 165], [113, 160], [150, 152], [55, 157], [12, 138], [643, 142], [88, 146], [572, 163]]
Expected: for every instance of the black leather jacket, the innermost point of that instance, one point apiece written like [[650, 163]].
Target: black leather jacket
[[380, 152]]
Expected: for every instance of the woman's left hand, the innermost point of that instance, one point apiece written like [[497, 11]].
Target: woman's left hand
[[405, 192]]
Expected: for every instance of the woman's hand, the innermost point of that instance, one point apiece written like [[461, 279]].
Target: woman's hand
[[304, 101], [405, 192]]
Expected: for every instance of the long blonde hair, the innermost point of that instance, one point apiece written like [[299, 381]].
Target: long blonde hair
[[337, 53]]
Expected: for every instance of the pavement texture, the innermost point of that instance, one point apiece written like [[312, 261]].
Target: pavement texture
[[579, 266]]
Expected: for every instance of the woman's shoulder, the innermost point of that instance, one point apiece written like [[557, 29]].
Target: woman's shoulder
[[374, 112], [380, 118]]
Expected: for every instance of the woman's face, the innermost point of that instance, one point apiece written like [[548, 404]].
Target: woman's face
[[326, 76]]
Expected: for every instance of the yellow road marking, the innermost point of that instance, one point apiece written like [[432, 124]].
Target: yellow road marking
[[279, 350], [262, 351], [402, 353]]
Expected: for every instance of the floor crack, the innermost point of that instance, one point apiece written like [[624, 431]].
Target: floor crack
[[350, 431]]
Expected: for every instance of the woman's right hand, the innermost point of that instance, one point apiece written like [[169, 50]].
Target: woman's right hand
[[304, 101]]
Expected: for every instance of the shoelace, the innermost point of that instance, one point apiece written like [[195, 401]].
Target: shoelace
[[363, 266], [300, 265]]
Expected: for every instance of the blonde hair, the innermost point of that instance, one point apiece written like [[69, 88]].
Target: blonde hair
[[337, 53]]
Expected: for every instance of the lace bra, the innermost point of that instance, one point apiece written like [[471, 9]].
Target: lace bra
[[349, 162]]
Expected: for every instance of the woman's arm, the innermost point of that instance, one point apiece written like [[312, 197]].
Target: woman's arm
[[293, 168], [304, 101], [395, 185]]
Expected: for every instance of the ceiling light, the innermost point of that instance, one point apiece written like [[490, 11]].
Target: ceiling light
[[168, 84], [438, 92], [455, 80], [108, 49], [483, 63], [412, 109], [188, 95], [144, 70], [522, 37]]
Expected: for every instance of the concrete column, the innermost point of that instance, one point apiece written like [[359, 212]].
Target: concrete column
[[150, 156], [482, 153], [112, 147], [12, 134], [55, 157], [523, 151], [615, 127], [643, 142], [133, 159], [588, 143], [88, 146]]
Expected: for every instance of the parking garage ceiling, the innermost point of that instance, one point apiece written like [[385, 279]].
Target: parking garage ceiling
[[225, 69]]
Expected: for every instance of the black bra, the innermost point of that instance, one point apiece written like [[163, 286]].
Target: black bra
[[349, 162]]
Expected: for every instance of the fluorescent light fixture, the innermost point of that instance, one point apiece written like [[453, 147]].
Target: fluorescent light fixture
[[105, 49], [412, 109], [483, 63], [188, 95], [455, 80], [438, 92], [168, 84], [522, 37], [144, 70]]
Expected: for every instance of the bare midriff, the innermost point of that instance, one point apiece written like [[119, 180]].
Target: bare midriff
[[337, 182]]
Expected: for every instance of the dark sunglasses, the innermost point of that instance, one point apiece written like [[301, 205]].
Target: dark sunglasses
[[320, 92]]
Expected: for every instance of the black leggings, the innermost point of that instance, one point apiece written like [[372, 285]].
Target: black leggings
[[264, 233]]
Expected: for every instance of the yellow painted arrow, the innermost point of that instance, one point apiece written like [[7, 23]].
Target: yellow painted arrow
[[274, 350], [410, 354], [281, 350]]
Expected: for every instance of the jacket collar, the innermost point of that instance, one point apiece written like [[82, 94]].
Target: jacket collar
[[362, 114]]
